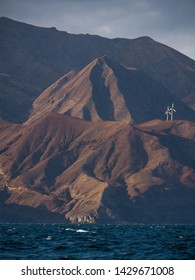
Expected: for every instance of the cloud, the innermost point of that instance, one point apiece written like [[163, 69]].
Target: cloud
[[105, 30], [165, 21]]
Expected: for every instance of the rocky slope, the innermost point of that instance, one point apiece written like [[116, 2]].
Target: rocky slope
[[32, 58], [107, 91], [67, 169]]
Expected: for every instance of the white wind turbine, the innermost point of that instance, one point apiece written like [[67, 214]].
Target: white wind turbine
[[172, 110], [167, 112]]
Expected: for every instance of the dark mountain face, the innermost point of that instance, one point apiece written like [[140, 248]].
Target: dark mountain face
[[32, 58], [98, 171], [107, 91]]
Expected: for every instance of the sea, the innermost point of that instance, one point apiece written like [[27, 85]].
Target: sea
[[96, 242]]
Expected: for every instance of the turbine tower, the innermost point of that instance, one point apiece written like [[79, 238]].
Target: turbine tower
[[167, 112], [172, 110]]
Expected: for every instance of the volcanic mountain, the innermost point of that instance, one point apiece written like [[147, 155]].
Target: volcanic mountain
[[32, 58], [107, 91], [95, 148], [62, 168]]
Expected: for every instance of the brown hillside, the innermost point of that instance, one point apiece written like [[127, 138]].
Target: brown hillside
[[101, 171], [105, 90]]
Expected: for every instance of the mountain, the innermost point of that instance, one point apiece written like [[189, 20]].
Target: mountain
[[107, 91], [32, 58], [95, 148], [67, 169]]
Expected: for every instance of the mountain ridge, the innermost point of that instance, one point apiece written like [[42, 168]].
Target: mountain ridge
[[79, 175], [32, 63], [106, 90]]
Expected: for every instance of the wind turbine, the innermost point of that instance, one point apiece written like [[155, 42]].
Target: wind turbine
[[172, 110], [167, 112]]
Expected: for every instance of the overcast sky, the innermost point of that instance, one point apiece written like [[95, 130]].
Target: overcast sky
[[171, 22]]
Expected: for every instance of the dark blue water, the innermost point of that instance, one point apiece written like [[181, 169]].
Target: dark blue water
[[57, 241]]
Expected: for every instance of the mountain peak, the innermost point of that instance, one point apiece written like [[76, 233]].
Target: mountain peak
[[107, 91], [111, 64], [145, 38], [102, 61]]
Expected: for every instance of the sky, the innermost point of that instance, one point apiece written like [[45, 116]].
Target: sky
[[171, 22]]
